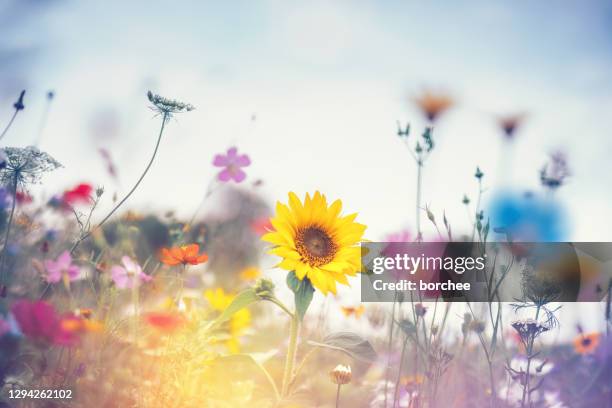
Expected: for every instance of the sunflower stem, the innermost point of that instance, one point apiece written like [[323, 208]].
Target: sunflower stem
[[291, 354]]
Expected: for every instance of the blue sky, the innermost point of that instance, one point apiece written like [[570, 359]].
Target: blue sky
[[327, 80]]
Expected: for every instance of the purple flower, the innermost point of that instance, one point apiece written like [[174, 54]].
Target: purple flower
[[5, 198], [232, 162], [5, 327], [126, 276], [61, 267]]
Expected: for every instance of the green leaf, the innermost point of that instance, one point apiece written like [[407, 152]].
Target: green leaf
[[350, 343], [242, 300], [303, 292]]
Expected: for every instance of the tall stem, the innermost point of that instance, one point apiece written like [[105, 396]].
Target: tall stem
[[389, 344], [124, 199], [338, 396], [527, 386], [399, 373], [291, 354], [418, 198], [9, 124], [8, 228]]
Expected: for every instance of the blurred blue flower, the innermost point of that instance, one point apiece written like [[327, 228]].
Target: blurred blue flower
[[5, 198], [526, 217]]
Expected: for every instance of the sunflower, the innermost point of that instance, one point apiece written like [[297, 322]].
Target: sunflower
[[315, 241], [586, 343]]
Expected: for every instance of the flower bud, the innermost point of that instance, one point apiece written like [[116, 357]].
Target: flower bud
[[264, 288], [341, 374]]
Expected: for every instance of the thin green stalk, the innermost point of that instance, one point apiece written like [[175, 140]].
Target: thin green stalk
[[88, 233], [399, 372], [8, 231], [418, 198], [8, 126], [389, 344], [527, 385]]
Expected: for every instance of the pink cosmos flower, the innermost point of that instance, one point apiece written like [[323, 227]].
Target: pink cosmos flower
[[233, 163], [39, 321], [61, 267], [128, 275]]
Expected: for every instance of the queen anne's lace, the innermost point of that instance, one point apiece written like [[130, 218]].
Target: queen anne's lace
[[25, 166]]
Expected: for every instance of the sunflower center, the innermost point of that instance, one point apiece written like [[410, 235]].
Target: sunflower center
[[315, 246]]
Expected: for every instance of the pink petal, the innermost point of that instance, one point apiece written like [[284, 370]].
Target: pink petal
[[225, 175], [131, 265], [145, 278], [53, 276], [243, 160], [120, 277], [73, 272], [238, 175], [231, 153], [64, 260], [52, 267], [220, 161]]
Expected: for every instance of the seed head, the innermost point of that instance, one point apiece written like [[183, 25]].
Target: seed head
[[168, 106]]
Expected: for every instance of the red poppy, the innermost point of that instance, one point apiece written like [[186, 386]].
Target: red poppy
[[186, 254], [80, 194]]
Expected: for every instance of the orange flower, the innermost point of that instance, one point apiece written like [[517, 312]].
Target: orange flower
[[165, 321], [433, 104], [586, 343], [186, 254], [356, 311]]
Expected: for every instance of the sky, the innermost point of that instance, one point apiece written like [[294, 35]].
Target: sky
[[312, 92], [326, 82]]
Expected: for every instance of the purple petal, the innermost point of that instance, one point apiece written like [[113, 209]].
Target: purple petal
[[64, 260], [220, 161], [53, 276], [225, 175], [131, 265], [242, 160], [144, 277], [73, 272], [238, 175], [120, 277], [52, 267], [231, 153]]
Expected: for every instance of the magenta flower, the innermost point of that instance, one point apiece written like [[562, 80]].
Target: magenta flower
[[128, 275], [61, 267], [233, 163], [39, 321]]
